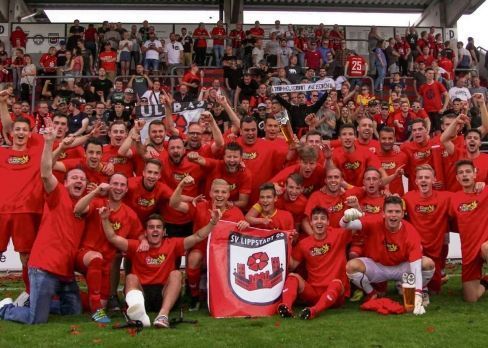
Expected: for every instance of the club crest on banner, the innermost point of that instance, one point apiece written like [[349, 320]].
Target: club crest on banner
[[257, 267]]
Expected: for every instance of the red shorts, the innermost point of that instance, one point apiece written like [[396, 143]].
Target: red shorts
[[106, 268], [312, 294], [22, 227], [473, 270], [201, 246]]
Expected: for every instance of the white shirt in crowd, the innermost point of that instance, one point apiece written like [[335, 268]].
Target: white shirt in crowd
[[173, 52], [152, 52], [459, 92]]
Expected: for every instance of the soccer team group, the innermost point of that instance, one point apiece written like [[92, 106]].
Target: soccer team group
[[71, 204]]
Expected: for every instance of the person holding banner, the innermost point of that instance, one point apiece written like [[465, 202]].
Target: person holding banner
[[200, 214], [392, 247], [324, 256], [154, 283]]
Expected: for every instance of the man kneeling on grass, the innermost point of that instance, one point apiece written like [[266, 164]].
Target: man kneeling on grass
[[154, 283], [324, 255]]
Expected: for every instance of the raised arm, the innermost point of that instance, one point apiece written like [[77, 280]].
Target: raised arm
[[83, 204], [234, 119], [201, 234], [176, 201], [48, 179], [117, 241], [450, 133]]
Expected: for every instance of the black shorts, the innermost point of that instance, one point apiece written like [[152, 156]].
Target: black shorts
[[184, 230], [153, 297]]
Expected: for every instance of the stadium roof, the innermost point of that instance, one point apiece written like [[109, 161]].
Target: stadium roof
[[324, 5]]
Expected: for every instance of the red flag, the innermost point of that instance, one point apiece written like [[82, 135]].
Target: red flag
[[246, 270]]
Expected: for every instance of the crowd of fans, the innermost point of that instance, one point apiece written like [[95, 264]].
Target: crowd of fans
[[336, 152]]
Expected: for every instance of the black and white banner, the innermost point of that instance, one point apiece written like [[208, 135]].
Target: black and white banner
[[306, 87]]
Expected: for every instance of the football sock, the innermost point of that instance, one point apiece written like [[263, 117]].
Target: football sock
[[193, 275], [427, 276], [290, 290], [361, 281], [328, 298], [94, 283]]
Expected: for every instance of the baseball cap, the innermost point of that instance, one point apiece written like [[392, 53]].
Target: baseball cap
[[262, 106], [129, 90]]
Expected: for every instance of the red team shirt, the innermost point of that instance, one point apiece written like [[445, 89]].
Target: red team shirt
[[92, 176], [240, 182], [334, 204], [354, 164], [218, 31], [280, 220], [432, 96], [296, 208], [471, 213], [356, 66], [310, 184], [390, 162], [325, 260], [143, 201], [122, 164], [153, 267], [124, 222], [59, 235], [387, 248]]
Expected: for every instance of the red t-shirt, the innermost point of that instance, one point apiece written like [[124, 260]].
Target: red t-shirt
[[325, 259], [390, 248], [446, 64], [92, 176], [108, 60], [296, 208], [353, 164], [390, 162], [432, 95], [48, 62], [480, 163], [430, 217], [59, 235], [416, 155], [240, 182], [218, 31], [200, 32], [280, 220], [21, 188], [334, 204], [237, 37], [372, 146], [122, 164], [471, 213], [335, 40], [356, 66], [124, 222], [256, 31], [313, 59], [264, 160], [171, 175], [153, 267], [401, 132], [143, 201], [310, 184], [90, 34], [428, 60]]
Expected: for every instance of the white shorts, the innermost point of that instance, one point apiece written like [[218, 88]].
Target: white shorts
[[377, 273]]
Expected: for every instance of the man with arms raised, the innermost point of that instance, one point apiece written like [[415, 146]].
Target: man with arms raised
[[154, 283], [53, 254], [392, 247]]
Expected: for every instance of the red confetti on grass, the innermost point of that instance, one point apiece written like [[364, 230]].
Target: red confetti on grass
[[97, 341], [102, 325], [277, 324], [430, 329], [132, 331], [73, 330]]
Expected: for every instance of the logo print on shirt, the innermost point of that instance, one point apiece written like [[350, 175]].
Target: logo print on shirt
[[118, 160], [324, 249], [352, 165], [371, 209], [180, 176], [336, 208], [249, 155], [18, 160], [420, 155], [144, 202], [425, 209], [467, 207], [116, 225], [391, 247], [155, 260], [388, 165]]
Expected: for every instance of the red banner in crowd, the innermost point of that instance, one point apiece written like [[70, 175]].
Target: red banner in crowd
[[246, 270]]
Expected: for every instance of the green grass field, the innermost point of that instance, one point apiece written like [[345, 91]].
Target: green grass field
[[449, 322]]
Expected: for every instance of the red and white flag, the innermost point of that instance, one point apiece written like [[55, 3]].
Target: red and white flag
[[246, 270]]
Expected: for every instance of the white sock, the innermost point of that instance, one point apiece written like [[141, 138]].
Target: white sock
[[427, 276], [361, 281], [136, 309]]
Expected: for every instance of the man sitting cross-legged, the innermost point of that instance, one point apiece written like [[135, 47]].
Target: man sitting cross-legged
[[154, 282]]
